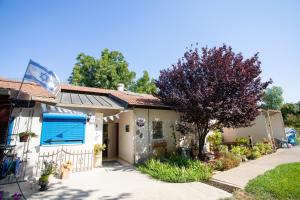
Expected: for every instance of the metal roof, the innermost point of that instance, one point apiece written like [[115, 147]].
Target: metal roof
[[86, 100]]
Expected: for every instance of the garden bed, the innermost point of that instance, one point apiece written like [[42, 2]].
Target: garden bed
[[177, 169]]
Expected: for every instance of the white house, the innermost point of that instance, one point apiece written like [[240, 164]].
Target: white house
[[132, 125]]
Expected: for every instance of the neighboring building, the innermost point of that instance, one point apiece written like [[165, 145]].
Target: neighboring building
[[267, 125], [80, 117]]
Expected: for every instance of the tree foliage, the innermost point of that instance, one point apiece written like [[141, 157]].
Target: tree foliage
[[291, 115], [106, 72], [213, 88], [144, 84], [272, 98]]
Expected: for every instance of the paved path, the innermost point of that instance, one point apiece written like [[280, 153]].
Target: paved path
[[240, 176], [124, 182]]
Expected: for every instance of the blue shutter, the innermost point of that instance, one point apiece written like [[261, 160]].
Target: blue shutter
[[61, 128], [10, 129]]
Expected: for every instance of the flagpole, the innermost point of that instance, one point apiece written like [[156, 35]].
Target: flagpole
[[22, 81]]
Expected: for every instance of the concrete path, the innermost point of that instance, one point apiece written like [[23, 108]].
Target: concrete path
[[124, 182], [240, 176]]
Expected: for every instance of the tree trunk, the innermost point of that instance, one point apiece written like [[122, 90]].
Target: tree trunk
[[202, 132]]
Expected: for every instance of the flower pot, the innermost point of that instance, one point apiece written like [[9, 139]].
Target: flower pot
[[24, 138], [43, 186], [98, 160]]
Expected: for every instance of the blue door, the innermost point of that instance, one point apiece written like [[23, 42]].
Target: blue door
[[61, 128]]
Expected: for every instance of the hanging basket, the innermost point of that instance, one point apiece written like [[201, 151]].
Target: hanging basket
[[24, 138]]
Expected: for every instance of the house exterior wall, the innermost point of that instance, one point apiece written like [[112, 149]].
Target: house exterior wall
[[126, 139], [277, 126], [144, 135], [259, 130], [31, 119]]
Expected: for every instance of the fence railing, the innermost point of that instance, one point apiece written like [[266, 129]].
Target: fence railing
[[82, 160]]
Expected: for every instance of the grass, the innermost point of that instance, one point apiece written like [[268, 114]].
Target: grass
[[282, 183], [176, 169]]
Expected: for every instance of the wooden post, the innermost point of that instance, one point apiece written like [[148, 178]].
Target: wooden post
[[271, 129]]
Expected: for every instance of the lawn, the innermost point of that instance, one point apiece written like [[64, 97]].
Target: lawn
[[176, 169], [282, 183]]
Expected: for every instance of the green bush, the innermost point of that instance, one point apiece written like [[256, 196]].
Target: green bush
[[223, 149], [255, 153], [217, 165], [242, 141], [215, 139], [264, 148], [177, 169], [239, 150]]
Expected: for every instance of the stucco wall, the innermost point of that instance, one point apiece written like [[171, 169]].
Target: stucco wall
[[258, 131], [277, 126], [145, 137], [126, 139], [31, 119]]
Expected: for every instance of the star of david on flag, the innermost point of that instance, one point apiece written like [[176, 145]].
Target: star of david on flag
[[41, 75]]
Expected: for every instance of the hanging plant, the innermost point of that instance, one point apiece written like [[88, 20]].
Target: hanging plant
[[24, 136]]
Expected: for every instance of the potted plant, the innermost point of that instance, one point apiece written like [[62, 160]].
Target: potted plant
[[98, 148], [47, 172], [24, 136], [43, 182]]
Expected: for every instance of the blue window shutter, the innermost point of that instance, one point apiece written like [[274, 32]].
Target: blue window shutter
[[10, 129], [61, 128]]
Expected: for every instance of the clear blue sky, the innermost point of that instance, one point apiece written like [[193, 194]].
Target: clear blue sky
[[152, 35]]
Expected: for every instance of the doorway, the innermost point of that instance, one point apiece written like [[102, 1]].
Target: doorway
[[111, 140]]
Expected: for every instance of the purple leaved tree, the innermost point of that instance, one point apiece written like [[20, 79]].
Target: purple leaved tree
[[212, 89]]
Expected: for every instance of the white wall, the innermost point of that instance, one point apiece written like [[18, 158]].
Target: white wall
[[23, 121], [143, 142], [259, 130], [126, 139]]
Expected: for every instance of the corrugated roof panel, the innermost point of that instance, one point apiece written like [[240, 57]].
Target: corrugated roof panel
[[86, 100], [75, 99]]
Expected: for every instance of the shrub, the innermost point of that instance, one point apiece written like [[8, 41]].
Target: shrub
[[239, 150], [230, 160], [255, 153], [242, 141], [215, 139], [261, 147], [217, 165], [223, 149], [177, 169]]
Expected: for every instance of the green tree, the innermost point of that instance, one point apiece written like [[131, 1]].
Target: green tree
[[272, 98], [145, 84], [106, 72], [288, 108]]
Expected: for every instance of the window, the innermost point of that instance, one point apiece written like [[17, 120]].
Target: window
[[61, 128], [157, 129]]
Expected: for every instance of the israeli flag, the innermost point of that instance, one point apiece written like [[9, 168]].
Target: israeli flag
[[41, 75]]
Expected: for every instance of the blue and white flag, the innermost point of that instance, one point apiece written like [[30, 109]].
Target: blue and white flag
[[41, 75]]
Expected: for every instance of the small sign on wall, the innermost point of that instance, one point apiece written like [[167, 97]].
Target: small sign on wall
[[127, 128]]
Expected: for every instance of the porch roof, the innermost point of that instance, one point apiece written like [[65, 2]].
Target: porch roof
[[72, 99]]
